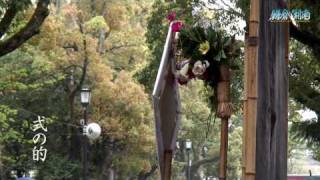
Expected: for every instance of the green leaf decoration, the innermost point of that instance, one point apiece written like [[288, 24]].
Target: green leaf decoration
[[227, 41], [200, 43], [217, 57], [211, 35]]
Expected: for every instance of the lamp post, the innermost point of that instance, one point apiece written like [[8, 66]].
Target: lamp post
[[188, 148], [85, 95]]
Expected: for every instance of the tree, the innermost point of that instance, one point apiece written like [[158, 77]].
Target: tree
[[29, 30], [155, 37], [15, 143], [29, 88]]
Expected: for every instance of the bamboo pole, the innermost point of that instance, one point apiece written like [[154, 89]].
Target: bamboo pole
[[250, 99], [245, 107]]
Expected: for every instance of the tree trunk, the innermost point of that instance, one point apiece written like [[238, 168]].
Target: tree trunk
[[146, 175], [1, 164], [102, 37], [58, 6], [93, 7], [74, 152], [112, 174], [75, 139], [19, 173], [272, 104], [102, 32]]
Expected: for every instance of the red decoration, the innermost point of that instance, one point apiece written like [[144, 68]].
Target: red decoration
[[171, 16], [177, 26]]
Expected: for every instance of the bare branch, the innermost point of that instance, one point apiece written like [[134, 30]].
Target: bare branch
[[73, 46], [32, 28], [7, 19], [226, 4], [195, 166], [85, 62], [120, 46], [306, 38], [230, 9], [144, 176], [308, 97]]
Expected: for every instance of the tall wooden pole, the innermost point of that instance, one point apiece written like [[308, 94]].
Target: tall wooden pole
[[224, 112], [223, 149], [167, 165], [251, 95], [271, 127]]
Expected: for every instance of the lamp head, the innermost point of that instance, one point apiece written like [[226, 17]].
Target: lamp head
[[85, 96], [188, 145]]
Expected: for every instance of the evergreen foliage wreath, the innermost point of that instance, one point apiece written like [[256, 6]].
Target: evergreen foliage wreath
[[210, 47]]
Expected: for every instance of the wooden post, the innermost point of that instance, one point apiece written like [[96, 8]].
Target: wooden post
[[223, 149], [224, 112], [271, 127], [167, 165], [250, 96], [266, 93]]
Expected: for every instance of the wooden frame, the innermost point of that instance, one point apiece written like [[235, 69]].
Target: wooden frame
[[166, 104]]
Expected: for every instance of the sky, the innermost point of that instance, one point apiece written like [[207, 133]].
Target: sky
[[307, 114]]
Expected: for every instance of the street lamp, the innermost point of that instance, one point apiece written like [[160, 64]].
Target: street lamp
[[188, 148], [188, 145], [93, 131], [85, 96]]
